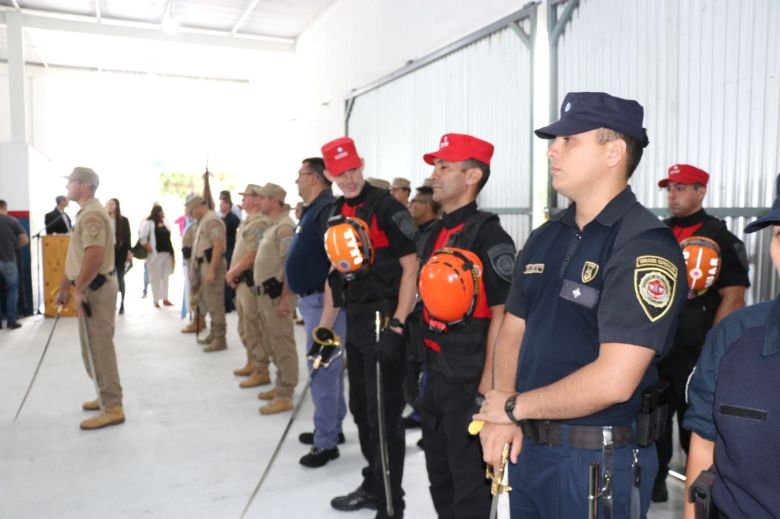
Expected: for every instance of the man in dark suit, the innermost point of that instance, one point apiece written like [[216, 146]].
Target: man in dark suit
[[58, 221]]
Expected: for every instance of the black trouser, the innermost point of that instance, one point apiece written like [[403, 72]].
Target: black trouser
[[453, 457], [230, 293], [361, 372], [119, 266], [675, 370]]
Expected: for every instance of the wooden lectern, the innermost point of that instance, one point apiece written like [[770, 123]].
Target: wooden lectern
[[55, 248]]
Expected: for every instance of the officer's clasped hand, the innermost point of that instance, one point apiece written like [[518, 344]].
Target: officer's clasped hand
[[389, 349], [326, 346]]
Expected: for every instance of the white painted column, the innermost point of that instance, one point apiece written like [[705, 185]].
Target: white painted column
[[13, 20], [541, 115]]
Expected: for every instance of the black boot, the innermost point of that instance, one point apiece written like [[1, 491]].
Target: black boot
[[354, 501]]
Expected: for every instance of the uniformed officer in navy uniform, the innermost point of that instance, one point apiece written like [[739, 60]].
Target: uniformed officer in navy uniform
[[460, 360], [593, 305], [734, 410], [687, 187], [388, 287], [306, 270]]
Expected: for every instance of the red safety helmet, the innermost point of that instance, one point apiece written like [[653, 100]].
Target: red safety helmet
[[348, 246], [450, 284], [702, 259]]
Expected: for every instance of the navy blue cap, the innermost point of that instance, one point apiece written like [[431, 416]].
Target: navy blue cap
[[773, 218], [585, 111]]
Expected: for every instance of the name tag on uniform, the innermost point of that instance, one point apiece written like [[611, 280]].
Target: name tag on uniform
[[534, 268], [579, 293]]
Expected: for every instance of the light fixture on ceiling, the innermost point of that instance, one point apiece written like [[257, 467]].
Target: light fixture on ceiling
[[169, 23]]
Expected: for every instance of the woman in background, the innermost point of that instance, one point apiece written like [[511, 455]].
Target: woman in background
[[121, 233], [156, 239]]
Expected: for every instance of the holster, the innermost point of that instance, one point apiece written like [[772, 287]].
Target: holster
[[700, 493], [247, 277], [98, 282], [208, 253], [186, 252], [272, 287], [653, 410]]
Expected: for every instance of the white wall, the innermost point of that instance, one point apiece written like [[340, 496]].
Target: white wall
[[355, 42]]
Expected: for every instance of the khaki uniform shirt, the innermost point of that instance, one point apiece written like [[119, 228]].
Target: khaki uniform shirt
[[250, 232], [93, 228], [211, 228], [188, 240], [273, 248]]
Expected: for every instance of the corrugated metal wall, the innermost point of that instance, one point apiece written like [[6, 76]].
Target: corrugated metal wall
[[708, 75], [482, 89]]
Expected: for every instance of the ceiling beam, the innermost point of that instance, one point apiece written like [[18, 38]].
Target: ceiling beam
[[149, 31], [244, 16]]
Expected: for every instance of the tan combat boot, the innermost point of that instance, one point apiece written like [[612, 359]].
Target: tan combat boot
[[258, 378], [245, 371], [91, 405], [217, 344], [267, 395], [112, 416], [277, 405], [195, 326]]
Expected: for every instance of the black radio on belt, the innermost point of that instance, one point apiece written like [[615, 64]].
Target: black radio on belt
[[651, 419], [98, 282], [272, 287], [247, 277], [207, 253]]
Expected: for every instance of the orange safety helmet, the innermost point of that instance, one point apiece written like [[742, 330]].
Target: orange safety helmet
[[702, 259], [348, 245], [450, 284]]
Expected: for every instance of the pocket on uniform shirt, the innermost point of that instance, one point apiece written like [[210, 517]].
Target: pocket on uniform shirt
[[580, 294]]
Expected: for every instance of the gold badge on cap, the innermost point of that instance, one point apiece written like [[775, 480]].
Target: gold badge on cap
[[655, 284], [589, 271]]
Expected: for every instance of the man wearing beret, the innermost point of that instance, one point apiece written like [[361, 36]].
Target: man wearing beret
[[592, 307], [687, 187], [387, 287], [89, 269]]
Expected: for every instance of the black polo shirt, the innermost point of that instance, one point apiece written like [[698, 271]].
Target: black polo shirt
[[306, 266], [620, 279]]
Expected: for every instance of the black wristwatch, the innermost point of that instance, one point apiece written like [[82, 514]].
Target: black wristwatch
[[396, 323], [509, 407]]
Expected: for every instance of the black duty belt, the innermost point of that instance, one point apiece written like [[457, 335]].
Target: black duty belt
[[311, 292], [580, 436]]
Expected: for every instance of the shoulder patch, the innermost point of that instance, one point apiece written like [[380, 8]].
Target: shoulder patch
[[502, 258], [403, 220], [93, 226], [655, 285]]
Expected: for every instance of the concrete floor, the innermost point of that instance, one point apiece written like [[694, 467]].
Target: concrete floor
[[193, 446]]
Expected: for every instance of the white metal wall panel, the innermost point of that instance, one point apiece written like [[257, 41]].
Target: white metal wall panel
[[708, 74], [482, 89]]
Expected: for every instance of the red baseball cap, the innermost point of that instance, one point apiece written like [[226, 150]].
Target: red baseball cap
[[685, 174], [340, 155], [457, 147]]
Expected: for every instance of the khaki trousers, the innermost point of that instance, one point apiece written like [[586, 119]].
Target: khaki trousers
[[279, 337], [100, 328], [213, 298], [249, 327]]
